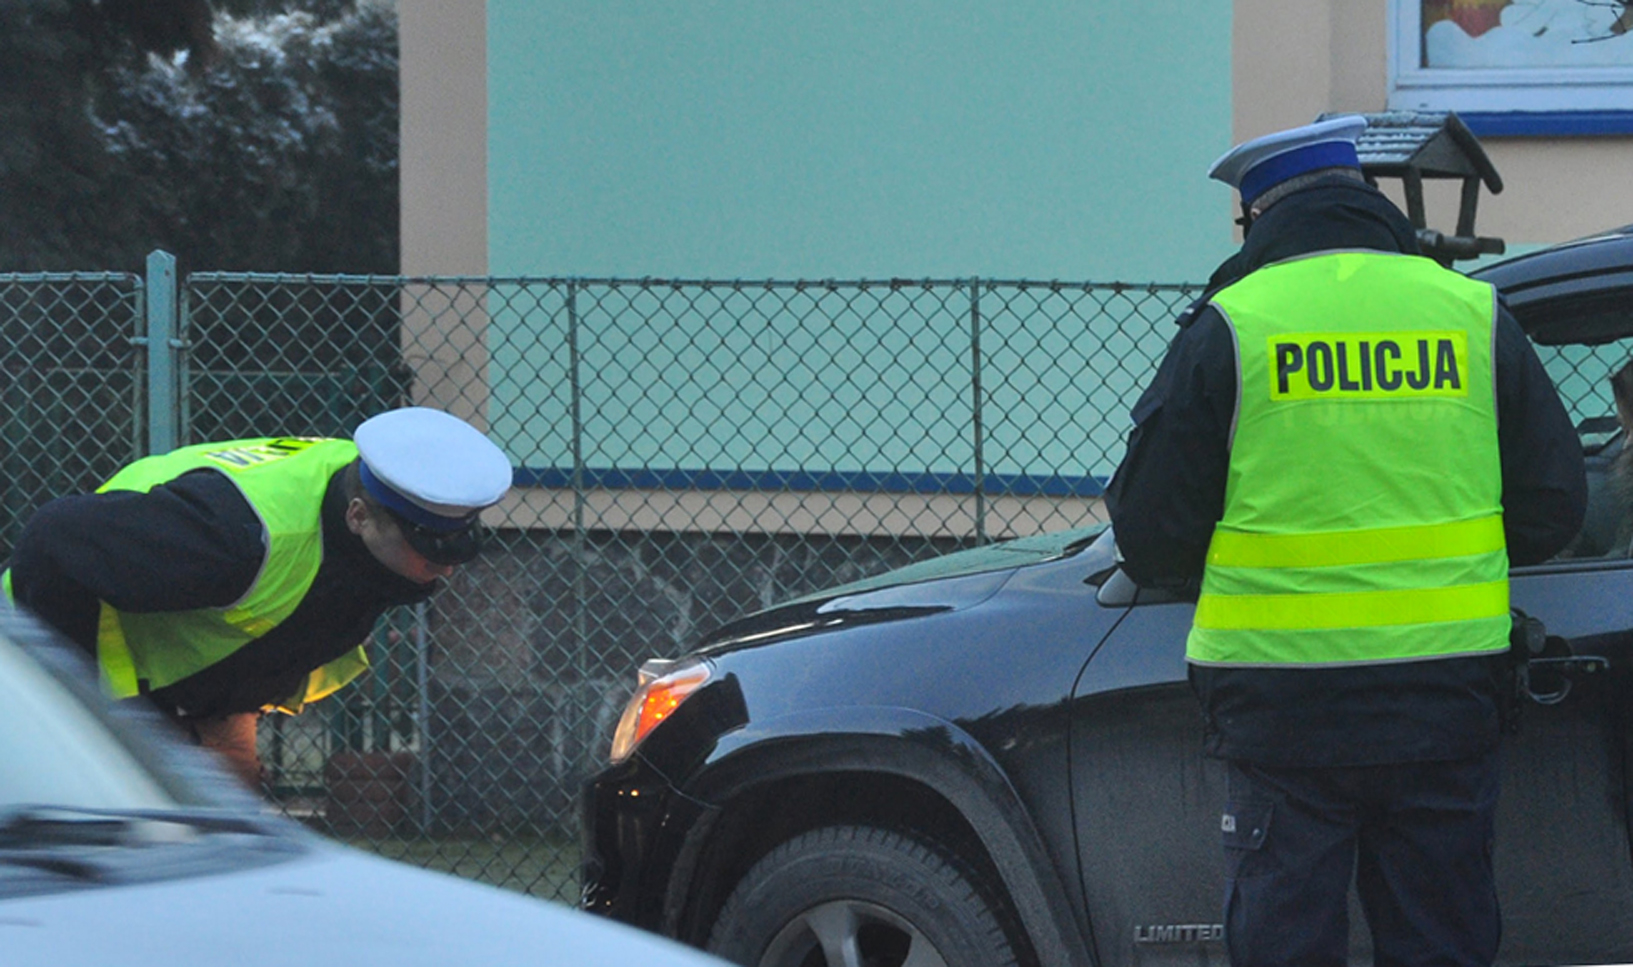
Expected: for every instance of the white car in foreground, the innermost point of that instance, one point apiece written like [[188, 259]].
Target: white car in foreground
[[121, 845]]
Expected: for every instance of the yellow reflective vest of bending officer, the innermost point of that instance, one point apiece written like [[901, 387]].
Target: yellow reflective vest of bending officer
[[284, 480], [1363, 504]]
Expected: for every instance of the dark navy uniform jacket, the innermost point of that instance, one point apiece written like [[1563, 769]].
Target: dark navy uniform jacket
[[196, 543], [1169, 492]]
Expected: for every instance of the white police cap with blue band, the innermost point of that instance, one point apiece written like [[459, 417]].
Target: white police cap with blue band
[[1255, 166], [431, 467]]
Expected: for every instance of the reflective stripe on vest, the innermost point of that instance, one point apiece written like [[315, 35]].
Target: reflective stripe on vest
[[284, 481], [1362, 520]]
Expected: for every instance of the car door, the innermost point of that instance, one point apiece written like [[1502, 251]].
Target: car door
[[1563, 847], [1563, 852], [1146, 802]]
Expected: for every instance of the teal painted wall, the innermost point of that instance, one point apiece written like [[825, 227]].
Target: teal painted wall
[[820, 138]]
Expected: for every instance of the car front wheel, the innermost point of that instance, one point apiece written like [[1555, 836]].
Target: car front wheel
[[855, 896]]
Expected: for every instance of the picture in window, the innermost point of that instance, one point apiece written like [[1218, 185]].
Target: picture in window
[[1510, 34]]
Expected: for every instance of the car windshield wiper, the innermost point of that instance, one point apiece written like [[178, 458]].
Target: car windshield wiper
[[96, 845], [36, 827], [69, 866]]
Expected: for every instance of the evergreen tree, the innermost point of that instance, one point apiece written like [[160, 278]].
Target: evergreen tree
[[268, 143]]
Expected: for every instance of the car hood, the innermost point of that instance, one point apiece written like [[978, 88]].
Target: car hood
[[949, 582], [1001, 556], [333, 906]]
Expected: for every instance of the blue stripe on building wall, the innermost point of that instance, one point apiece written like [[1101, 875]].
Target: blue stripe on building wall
[[832, 481], [1548, 123]]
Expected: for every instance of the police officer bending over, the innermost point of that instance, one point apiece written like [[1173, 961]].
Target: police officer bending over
[[1348, 445], [225, 579]]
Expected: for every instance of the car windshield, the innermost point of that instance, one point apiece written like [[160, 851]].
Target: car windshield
[[66, 747], [93, 792], [55, 750]]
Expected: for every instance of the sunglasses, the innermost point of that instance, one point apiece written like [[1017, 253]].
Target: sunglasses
[[443, 547]]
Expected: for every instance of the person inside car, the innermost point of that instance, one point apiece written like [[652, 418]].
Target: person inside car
[[1608, 529]]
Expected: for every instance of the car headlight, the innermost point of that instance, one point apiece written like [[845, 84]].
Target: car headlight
[[662, 686]]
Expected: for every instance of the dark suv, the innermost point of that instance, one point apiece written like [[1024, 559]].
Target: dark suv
[[994, 757]]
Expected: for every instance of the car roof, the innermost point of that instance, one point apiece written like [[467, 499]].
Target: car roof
[[1577, 292]]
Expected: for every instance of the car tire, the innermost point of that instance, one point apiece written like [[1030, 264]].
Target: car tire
[[856, 896]]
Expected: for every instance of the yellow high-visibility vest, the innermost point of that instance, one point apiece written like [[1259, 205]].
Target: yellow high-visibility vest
[[284, 480], [1363, 502]]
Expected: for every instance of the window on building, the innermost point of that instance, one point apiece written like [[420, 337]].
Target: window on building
[[1557, 66]]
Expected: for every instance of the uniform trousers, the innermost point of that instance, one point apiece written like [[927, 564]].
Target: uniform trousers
[[1415, 839]]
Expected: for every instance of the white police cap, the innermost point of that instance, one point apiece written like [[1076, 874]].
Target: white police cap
[[1254, 166], [431, 467]]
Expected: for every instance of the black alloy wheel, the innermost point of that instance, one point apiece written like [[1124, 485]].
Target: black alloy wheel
[[856, 896]]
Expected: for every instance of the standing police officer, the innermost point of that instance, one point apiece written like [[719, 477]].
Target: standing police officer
[[1349, 445], [224, 579]]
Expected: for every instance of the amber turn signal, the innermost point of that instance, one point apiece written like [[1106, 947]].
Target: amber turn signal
[[662, 686]]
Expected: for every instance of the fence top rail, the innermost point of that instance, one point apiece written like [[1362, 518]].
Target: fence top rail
[[284, 278], [34, 278]]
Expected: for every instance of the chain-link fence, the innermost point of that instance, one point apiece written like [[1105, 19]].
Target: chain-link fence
[[686, 452]]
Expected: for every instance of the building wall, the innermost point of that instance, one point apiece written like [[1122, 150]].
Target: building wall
[[817, 139], [443, 137], [826, 138], [693, 141], [918, 139]]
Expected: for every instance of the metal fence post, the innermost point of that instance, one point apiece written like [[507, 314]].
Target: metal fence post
[[975, 412], [422, 711], [163, 414], [584, 734]]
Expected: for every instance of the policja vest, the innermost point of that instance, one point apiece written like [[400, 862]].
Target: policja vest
[[284, 479], [1363, 519]]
